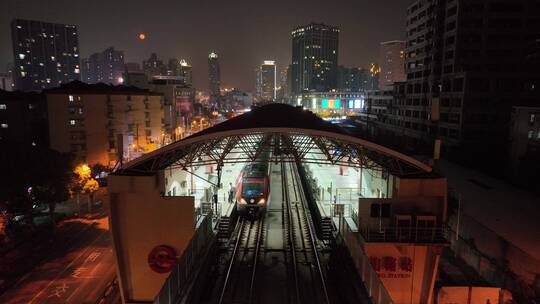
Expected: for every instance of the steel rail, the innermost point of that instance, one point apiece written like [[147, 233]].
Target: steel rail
[[294, 172], [290, 229], [233, 258], [256, 258]]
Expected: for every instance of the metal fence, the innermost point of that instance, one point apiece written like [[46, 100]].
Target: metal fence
[[405, 234], [370, 278], [188, 266]]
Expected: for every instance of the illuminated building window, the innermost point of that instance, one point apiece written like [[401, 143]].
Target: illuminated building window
[[530, 134], [3, 106], [21, 56], [72, 122], [71, 98], [4, 125]]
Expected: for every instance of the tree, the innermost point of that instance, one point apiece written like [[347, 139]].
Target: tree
[[90, 187], [84, 183]]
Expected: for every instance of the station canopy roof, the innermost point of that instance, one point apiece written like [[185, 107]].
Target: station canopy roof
[[284, 132]]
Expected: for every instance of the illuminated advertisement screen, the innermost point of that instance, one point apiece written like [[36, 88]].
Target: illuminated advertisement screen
[[350, 104], [325, 103], [183, 105], [337, 104], [358, 103]]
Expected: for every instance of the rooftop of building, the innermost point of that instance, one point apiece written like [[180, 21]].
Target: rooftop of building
[[19, 95], [392, 42], [510, 212], [19, 20], [322, 25], [79, 87]]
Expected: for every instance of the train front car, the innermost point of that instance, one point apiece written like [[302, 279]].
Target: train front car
[[253, 189]]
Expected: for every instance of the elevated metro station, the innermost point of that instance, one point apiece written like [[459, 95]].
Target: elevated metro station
[[345, 220]]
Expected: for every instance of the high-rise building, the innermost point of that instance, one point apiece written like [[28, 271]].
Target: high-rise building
[[214, 74], [266, 81], [392, 63], [314, 57], [185, 70], [467, 64], [154, 67], [46, 54], [106, 67], [173, 67]]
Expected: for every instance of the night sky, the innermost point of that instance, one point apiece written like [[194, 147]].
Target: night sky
[[243, 32]]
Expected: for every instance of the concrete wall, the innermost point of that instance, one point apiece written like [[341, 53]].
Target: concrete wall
[[142, 219], [428, 187], [472, 295], [406, 270]]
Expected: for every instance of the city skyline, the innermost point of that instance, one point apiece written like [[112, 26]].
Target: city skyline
[[359, 44]]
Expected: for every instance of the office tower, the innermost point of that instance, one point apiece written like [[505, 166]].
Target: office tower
[[392, 63], [266, 81], [214, 74], [185, 70], [46, 54], [106, 67], [154, 67], [314, 57]]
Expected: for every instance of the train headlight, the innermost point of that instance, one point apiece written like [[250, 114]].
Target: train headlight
[[242, 201], [262, 201]]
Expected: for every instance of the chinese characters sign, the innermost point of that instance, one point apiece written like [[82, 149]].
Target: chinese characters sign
[[392, 267]]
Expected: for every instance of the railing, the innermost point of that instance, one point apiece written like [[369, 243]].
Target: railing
[[188, 266], [373, 284], [405, 234]]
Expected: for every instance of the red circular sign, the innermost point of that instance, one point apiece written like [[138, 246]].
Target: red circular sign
[[162, 259]]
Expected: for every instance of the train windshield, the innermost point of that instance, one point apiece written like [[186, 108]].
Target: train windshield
[[252, 189]]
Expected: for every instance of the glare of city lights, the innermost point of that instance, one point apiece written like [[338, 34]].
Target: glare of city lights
[[142, 36]]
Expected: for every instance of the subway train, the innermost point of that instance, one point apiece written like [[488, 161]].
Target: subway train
[[253, 187]]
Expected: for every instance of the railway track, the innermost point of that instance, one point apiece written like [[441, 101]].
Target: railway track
[[243, 262], [304, 281], [302, 246]]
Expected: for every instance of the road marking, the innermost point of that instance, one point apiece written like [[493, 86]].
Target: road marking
[[68, 266], [59, 291]]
